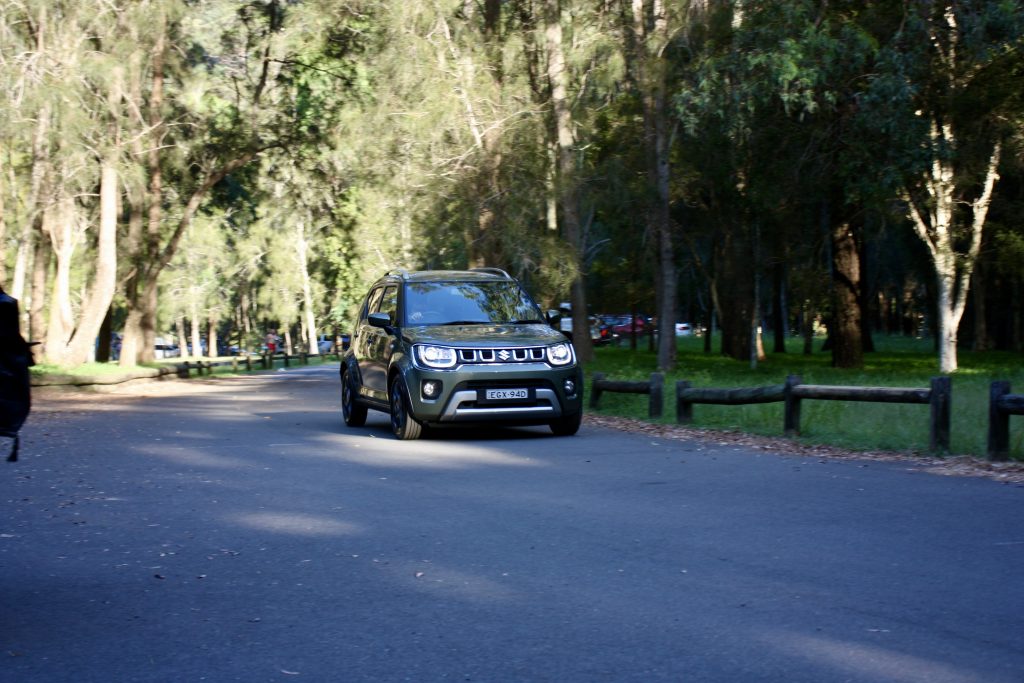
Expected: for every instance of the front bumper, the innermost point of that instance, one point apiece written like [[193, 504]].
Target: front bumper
[[462, 393]]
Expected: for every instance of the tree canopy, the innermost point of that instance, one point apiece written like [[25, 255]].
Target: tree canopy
[[220, 169]]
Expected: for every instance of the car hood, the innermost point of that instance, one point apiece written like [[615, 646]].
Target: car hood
[[483, 335]]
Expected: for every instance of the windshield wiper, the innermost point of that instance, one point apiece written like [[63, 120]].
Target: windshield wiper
[[526, 321], [467, 322]]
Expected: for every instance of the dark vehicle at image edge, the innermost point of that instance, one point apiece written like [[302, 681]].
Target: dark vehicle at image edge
[[458, 347]]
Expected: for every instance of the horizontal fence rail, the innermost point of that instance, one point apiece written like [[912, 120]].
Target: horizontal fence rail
[[938, 398], [265, 361], [792, 394], [654, 387]]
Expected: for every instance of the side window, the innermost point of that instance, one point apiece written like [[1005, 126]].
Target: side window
[[389, 302], [372, 302]]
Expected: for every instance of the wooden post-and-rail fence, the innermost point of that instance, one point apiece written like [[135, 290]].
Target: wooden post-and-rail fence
[[792, 393], [654, 388], [1001, 405], [265, 361]]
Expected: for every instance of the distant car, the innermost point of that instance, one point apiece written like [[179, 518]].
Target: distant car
[[627, 325], [325, 344], [683, 330], [605, 334], [164, 349], [597, 335]]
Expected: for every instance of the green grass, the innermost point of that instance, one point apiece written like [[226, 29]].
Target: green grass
[[898, 362]]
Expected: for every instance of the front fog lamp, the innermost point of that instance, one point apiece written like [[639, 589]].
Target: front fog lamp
[[570, 387], [435, 356], [431, 389], [559, 354]]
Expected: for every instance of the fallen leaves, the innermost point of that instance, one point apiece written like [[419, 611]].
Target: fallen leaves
[[959, 466]]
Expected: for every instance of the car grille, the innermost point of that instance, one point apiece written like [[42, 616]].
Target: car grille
[[530, 354]]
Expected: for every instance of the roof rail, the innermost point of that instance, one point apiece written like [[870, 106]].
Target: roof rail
[[402, 272], [496, 271]]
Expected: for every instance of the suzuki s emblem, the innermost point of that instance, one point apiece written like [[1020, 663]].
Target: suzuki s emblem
[[504, 355]]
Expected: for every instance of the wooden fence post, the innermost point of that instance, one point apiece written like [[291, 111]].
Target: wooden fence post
[[791, 414], [248, 362], [998, 422], [657, 399], [939, 404], [684, 409], [595, 389]]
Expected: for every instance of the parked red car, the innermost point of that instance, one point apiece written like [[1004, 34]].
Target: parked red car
[[624, 326]]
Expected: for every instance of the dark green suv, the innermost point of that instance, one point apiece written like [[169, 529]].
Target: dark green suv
[[449, 347]]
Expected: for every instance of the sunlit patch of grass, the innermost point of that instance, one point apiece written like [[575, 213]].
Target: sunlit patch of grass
[[897, 362], [83, 370]]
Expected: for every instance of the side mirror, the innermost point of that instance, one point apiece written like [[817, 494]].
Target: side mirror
[[553, 316], [382, 320]]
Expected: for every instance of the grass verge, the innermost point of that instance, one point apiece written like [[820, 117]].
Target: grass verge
[[897, 362]]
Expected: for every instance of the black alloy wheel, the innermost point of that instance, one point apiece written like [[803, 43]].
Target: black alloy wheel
[[405, 427], [353, 412]]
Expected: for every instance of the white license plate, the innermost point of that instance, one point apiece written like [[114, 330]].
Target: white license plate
[[507, 394]]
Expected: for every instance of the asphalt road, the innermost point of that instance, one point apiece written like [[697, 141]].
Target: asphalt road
[[243, 533]]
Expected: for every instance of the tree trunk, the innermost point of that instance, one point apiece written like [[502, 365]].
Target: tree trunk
[[179, 329], [982, 340], [308, 315], [934, 223], [569, 200], [96, 303], [847, 349], [60, 221], [649, 42], [211, 336], [736, 294], [96, 306], [196, 334], [779, 321]]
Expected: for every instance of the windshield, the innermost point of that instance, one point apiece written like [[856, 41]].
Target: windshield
[[468, 303]]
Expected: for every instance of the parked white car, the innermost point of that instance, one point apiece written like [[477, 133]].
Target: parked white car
[[164, 348], [325, 344]]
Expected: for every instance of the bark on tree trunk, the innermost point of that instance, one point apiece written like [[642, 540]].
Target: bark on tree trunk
[[847, 350], [96, 306], [779, 322], [308, 316], [736, 294], [60, 222], [934, 223], [211, 336], [569, 200], [649, 38], [197, 347], [982, 341]]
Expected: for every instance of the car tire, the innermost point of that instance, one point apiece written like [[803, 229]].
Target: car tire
[[567, 425], [351, 410], [405, 427]]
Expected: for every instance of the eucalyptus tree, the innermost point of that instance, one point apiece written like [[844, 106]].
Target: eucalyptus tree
[[457, 144], [242, 92], [653, 27], [959, 63], [68, 89], [199, 281]]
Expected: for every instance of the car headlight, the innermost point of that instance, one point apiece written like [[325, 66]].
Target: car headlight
[[560, 354], [435, 356]]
